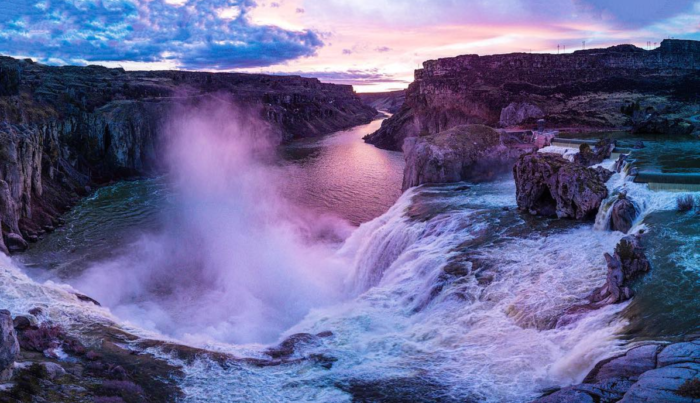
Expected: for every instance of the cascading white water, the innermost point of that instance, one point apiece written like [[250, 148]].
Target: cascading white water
[[459, 296]]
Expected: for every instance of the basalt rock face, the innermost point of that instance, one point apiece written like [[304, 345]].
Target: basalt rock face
[[549, 185], [9, 347], [648, 373], [583, 88], [63, 129], [469, 152], [623, 214], [627, 264]]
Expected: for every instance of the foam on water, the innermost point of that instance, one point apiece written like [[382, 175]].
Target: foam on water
[[489, 341], [450, 291]]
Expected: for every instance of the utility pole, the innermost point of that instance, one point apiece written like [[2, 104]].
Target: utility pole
[[584, 45], [557, 49]]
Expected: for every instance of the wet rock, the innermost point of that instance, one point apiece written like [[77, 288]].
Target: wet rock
[[549, 185], [638, 145], [290, 345], [53, 370], [588, 156], [468, 152], [679, 353], [22, 323], [40, 338], [649, 373], [662, 384], [85, 298], [623, 214], [627, 366], [9, 347], [626, 265], [15, 243], [620, 162]]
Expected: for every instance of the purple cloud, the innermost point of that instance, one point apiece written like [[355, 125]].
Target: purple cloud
[[634, 13], [215, 34], [351, 77]]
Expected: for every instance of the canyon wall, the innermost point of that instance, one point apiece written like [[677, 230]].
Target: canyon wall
[[384, 101], [63, 129], [587, 88]]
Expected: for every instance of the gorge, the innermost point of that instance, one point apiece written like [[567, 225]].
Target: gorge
[[239, 255]]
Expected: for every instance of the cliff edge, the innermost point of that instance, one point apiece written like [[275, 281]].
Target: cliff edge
[[591, 88]]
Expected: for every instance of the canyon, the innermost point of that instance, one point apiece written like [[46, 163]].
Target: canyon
[[66, 129], [588, 89]]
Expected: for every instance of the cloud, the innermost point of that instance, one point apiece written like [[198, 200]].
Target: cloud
[[634, 13], [300, 10], [212, 34], [350, 77], [347, 51], [382, 49]]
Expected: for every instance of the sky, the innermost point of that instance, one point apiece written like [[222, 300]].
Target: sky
[[374, 45]]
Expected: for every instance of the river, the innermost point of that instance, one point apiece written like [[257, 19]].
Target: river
[[445, 293]]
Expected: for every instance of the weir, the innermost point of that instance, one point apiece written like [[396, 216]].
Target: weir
[[672, 182]]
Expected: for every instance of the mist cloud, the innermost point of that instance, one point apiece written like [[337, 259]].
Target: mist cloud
[[236, 261]]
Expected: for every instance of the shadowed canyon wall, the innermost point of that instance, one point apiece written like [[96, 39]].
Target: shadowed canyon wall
[[585, 88], [63, 129]]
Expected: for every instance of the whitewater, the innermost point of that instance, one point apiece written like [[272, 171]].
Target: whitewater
[[450, 295]]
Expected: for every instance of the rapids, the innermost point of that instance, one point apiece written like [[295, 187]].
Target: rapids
[[450, 295]]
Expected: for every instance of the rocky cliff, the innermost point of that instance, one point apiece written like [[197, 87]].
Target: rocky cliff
[[63, 129], [591, 88]]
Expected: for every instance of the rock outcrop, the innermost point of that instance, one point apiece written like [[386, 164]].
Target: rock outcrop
[[469, 152], [9, 347], [517, 113], [63, 129], [580, 89], [588, 156], [623, 214], [648, 373], [626, 265], [549, 185]]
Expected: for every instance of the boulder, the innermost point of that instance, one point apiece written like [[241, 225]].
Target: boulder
[[627, 264], [15, 243], [549, 185], [516, 113], [468, 152], [620, 163], [588, 156], [9, 347], [648, 373], [623, 214]]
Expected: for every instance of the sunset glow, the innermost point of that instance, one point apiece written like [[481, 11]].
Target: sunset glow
[[373, 45]]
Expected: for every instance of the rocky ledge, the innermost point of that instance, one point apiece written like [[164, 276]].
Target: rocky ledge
[[651, 372], [40, 361], [549, 185], [618, 87], [468, 152], [65, 129]]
